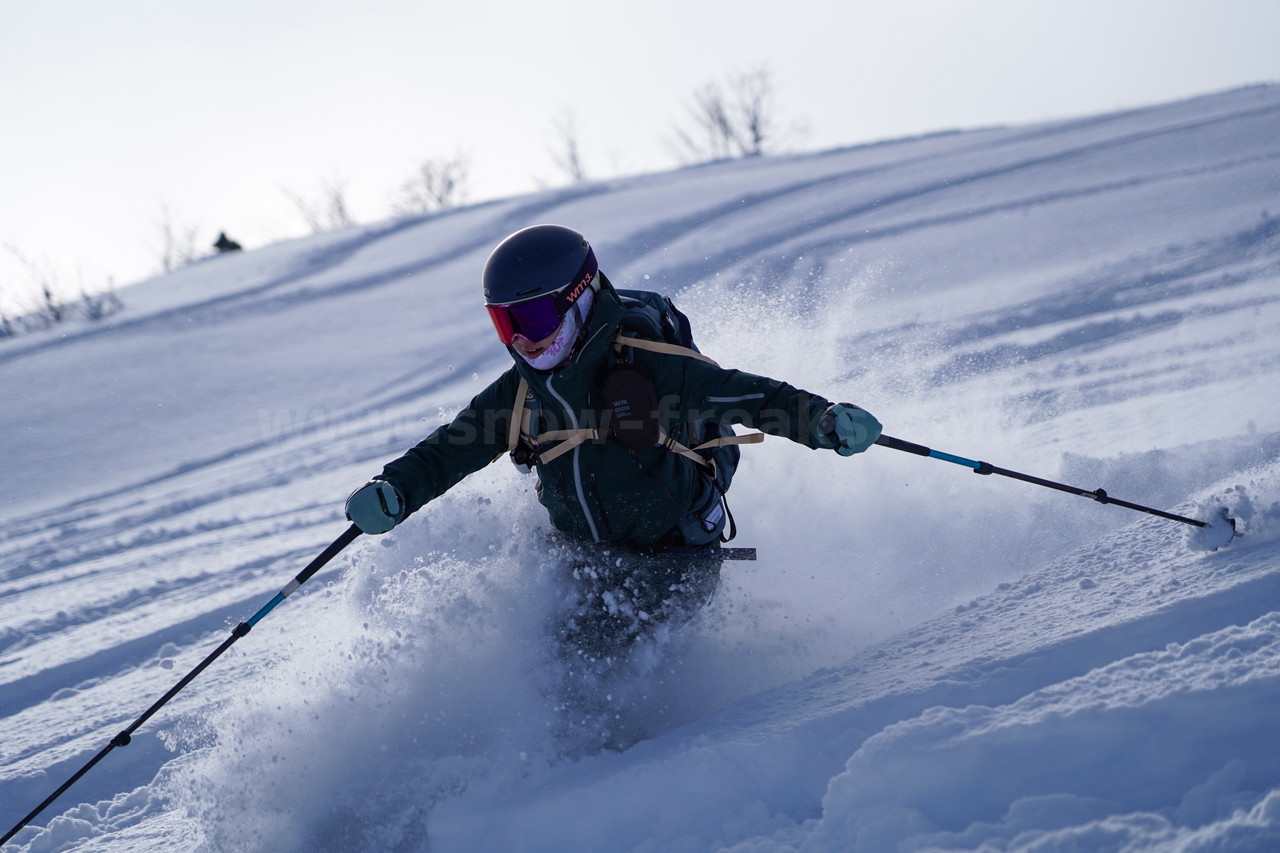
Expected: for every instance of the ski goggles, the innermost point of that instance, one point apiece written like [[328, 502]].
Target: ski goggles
[[535, 319]]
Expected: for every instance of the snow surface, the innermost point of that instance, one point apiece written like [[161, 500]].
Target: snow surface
[[920, 660]]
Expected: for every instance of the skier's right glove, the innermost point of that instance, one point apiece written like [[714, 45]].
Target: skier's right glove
[[850, 429], [375, 507]]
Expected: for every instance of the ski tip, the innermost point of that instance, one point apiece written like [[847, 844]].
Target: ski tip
[[1218, 532]]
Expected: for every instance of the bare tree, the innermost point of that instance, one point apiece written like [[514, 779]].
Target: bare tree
[[310, 212], [438, 184], [326, 211], [53, 306], [50, 307], [8, 326], [177, 242], [336, 200], [46, 304], [567, 151], [711, 134], [740, 121], [104, 303]]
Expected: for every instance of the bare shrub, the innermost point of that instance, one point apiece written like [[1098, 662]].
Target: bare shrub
[[566, 153], [438, 184], [177, 241], [325, 211], [99, 305], [42, 278], [732, 121], [47, 306]]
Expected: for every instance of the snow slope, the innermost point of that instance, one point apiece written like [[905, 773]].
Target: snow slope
[[920, 659]]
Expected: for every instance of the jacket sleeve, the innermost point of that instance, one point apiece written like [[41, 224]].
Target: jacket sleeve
[[475, 437], [735, 397]]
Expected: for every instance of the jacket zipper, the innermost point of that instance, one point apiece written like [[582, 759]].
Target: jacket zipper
[[595, 493], [577, 468]]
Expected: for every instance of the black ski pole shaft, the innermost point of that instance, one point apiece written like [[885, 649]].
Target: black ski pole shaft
[[123, 738], [1098, 495]]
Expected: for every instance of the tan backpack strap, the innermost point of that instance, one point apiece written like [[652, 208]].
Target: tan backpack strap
[[519, 416], [568, 438], [676, 447], [571, 438], [526, 423], [692, 453], [747, 438], [621, 341]]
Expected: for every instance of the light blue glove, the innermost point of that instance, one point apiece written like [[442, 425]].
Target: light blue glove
[[375, 507], [852, 428]]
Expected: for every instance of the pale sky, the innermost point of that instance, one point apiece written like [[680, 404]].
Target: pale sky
[[114, 112]]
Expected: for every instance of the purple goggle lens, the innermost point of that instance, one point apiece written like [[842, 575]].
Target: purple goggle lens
[[537, 318], [534, 319]]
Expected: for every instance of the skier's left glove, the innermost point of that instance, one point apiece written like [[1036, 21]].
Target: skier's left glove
[[847, 428], [375, 507]]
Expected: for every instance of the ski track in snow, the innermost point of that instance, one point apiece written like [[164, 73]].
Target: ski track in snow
[[921, 660]]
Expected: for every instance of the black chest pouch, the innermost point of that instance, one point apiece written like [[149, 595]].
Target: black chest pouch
[[631, 406]]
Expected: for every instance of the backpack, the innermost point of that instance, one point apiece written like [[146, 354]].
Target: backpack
[[654, 317], [651, 322]]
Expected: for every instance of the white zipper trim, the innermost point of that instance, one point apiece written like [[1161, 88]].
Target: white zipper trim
[[577, 469]]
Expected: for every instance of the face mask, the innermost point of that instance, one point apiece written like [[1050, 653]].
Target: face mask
[[565, 338]]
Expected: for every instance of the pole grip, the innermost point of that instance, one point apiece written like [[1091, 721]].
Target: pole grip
[[905, 446]]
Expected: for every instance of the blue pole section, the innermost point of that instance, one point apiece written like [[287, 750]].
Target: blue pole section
[[958, 460], [305, 575], [271, 605], [123, 738]]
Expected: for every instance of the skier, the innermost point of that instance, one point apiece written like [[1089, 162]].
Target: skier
[[613, 418], [225, 244]]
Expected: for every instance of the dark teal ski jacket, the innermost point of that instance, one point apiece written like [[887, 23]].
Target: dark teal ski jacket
[[600, 491]]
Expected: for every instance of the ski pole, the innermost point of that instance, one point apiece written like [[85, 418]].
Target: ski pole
[[1098, 495], [240, 630]]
